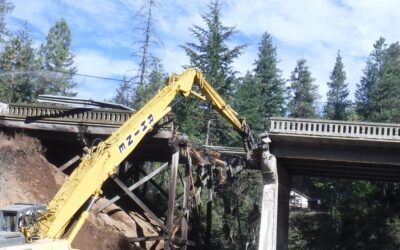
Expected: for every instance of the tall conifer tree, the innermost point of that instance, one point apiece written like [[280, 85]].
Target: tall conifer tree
[[248, 101], [154, 81], [16, 62], [372, 71], [337, 107], [58, 61], [212, 55], [386, 94], [269, 76], [378, 93], [303, 92], [5, 8], [123, 93]]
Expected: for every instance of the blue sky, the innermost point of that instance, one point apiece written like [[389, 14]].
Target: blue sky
[[312, 29]]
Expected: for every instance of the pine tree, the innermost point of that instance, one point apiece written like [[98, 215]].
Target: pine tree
[[58, 61], [212, 54], [248, 101], [337, 107], [154, 81], [137, 96], [378, 92], [271, 82], [16, 63], [214, 58], [5, 8], [123, 93], [372, 71], [386, 93], [303, 93]]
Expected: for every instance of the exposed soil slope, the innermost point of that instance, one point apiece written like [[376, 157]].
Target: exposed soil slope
[[26, 176]]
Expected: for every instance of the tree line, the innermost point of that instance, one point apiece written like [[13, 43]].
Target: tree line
[[356, 214]]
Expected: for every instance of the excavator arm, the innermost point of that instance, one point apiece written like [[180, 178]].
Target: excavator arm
[[102, 161], [194, 76]]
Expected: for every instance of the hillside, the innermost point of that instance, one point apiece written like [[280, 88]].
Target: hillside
[[26, 176]]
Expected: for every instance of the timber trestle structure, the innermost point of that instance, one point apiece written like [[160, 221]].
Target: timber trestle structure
[[174, 228]]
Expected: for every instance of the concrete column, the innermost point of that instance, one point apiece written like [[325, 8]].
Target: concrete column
[[275, 204]]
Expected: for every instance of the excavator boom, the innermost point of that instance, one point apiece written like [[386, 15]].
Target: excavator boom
[[102, 161]]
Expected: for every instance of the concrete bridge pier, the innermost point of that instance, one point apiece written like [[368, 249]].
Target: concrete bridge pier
[[274, 222]]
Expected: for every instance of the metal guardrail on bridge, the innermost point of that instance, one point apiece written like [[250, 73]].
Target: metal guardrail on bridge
[[329, 128]]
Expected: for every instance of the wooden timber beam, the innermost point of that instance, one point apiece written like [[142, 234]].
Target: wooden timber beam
[[177, 240], [172, 194], [149, 213], [155, 184], [134, 186], [69, 163], [186, 197]]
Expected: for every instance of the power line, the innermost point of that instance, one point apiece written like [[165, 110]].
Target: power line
[[87, 75], [66, 73]]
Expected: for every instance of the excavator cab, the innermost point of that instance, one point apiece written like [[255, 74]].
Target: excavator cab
[[13, 217], [20, 214], [8, 221]]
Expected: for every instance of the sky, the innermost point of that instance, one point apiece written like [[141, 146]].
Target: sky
[[103, 34]]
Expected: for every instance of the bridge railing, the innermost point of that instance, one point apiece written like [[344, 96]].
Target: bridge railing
[[314, 127], [65, 113], [60, 114]]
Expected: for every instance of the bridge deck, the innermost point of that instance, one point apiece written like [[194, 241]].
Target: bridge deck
[[336, 148], [61, 125], [66, 119]]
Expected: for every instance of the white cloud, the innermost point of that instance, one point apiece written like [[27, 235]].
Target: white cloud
[[95, 89], [90, 62], [314, 30], [96, 63], [34, 13], [103, 12], [173, 57]]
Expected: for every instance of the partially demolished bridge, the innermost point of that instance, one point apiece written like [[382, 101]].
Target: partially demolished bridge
[[65, 124], [291, 147]]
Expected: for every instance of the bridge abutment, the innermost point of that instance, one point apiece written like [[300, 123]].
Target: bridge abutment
[[274, 222]]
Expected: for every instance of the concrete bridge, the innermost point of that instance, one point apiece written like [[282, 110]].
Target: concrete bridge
[[291, 147], [358, 150]]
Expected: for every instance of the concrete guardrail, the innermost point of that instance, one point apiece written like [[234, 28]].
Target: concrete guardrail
[[314, 127]]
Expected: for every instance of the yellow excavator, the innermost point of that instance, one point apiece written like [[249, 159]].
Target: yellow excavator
[[84, 185]]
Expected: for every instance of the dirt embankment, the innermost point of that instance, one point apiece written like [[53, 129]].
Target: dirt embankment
[[26, 176]]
